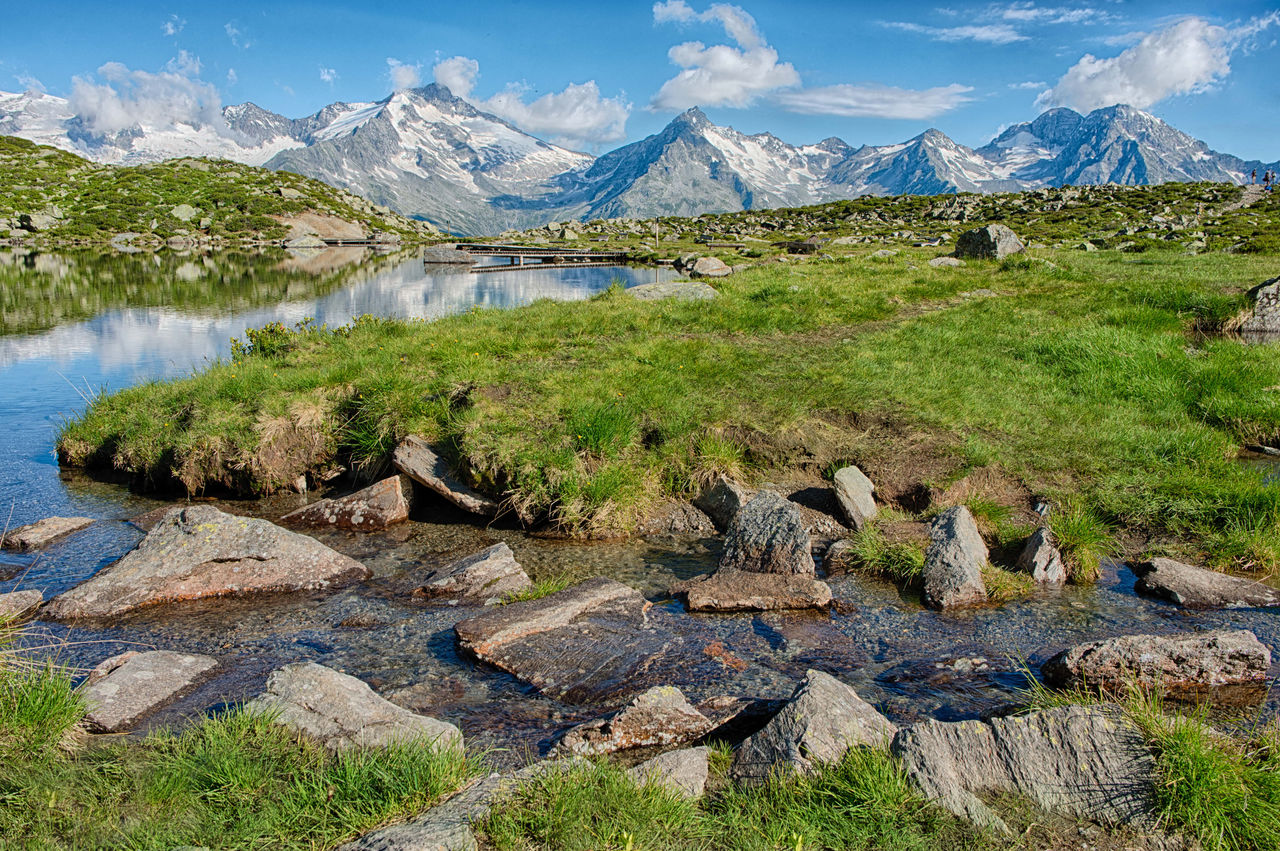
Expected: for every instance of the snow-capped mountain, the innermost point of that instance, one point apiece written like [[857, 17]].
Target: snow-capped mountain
[[433, 156]]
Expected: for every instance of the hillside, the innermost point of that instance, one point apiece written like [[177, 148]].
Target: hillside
[[51, 196]]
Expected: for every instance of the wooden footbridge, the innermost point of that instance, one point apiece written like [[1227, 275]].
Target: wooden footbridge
[[535, 255]]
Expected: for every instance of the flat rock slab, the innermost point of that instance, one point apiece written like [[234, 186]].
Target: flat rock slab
[[372, 509], [823, 719], [1172, 663], [17, 606], [682, 773], [486, 577], [689, 291], [659, 717], [341, 711], [954, 561], [729, 590], [199, 552], [1085, 762], [123, 689], [856, 495], [416, 459], [42, 533], [1197, 588], [768, 535], [1041, 559]]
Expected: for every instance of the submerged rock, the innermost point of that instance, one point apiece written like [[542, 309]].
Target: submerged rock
[[42, 533], [372, 509], [730, 590], [768, 535], [659, 717], [993, 242], [17, 606], [856, 495], [123, 689], [486, 577], [954, 561], [1198, 588], [416, 459], [341, 712], [1084, 762], [683, 772], [199, 552], [1041, 559], [722, 499], [823, 719]]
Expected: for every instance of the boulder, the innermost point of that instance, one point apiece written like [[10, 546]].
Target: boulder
[[677, 518], [768, 535], [680, 291], [1041, 558], [856, 495], [486, 577], [416, 459], [1078, 761], [1264, 316], [721, 499], [307, 240], [341, 712], [710, 267], [197, 552], [42, 533], [946, 262], [954, 561], [823, 719], [884, 253], [1176, 664], [372, 509], [17, 606], [184, 212], [731, 590], [659, 717], [1197, 588], [682, 773], [447, 255], [993, 242], [124, 688]]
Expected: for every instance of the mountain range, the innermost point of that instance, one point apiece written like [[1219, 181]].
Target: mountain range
[[430, 155]]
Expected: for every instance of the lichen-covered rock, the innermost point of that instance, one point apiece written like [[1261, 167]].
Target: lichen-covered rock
[[856, 495], [372, 509], [1198, 588], [121, 690], [659, 717], [954, 561], [486, 577], [993, 242], [683, 772], [1041, 559], [768, 535]]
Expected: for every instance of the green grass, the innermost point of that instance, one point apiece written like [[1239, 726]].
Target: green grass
[[900, 562], [1083, 540]]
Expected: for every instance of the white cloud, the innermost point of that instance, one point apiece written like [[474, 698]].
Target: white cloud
[[403, 76], [875, 101], [987, 33], [173, 26], [1029, 84], [458, 74], [1188, 57], [128, 98], [236, 35], [328, 75], [30, 83], [1031, 13], [720, 75], [232, 77]]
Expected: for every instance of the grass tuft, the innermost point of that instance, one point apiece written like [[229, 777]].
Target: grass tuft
[[899, 562], [1083, 540]]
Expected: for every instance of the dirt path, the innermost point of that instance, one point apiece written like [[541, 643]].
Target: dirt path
[[1253, 193]]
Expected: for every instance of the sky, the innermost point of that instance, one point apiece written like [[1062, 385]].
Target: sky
[[593, 76]]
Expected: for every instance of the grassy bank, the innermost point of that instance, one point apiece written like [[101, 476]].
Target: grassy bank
[[1082, 379]]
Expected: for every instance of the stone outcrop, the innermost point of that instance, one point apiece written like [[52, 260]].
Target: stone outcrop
[[721, 499], [121, 690], [1173, 663], [416, 459], [659, 717], [678, 290], [856, 495], [1198, 588], [1084, 762], [42, 533], [710, 267], [1041, 559], [199, 552], [823, 719], [486, 577], [17, 606], [993, 242], [768, 535], [729, 590], [372, 509], [682, 773], [447, 255], [341, 712], [954, 561], [1264, 316]]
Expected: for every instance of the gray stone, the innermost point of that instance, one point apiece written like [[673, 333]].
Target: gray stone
[[946, 262], [993, 242], [677, 518], [36, 222], [856, 495], [487, 577], [681, 291], [123, 689], [1041, 558], [17, 606], [710, 267], [682, 773], [307, 240], [732, 590], [768, 535], [447, 254], [371, 509], [1083, 762], [184, 212], [884, 253], [1264, 316], [42, 533], [823, 719], [954, 561], [1175, 664], [197, 552], [659, 717], [721, 499], [416, 459], [1197, 588], [341, 712]]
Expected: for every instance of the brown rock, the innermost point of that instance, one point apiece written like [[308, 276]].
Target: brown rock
[[369, 510], [416, 459], [729, 590], [659, 717], [487, 577], [17, 606], [42, 533]]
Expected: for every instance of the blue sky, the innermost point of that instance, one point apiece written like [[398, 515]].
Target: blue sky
[[595, 75]]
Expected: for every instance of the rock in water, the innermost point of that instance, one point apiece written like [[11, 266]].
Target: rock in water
[[954, 561], [42, 533], [856, 495], [341, 712], [729, 590], [416, 459], [372, 509], [198, 552], [486, 577], [17, 606], [673, 289], [124, 688], [710, 267], [1041, 559], [768, 535], [1197, 588], [683, 773], [722, 499], [659, 717], [1086, 762], [823, 719], [447, 255], [993, 242]]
